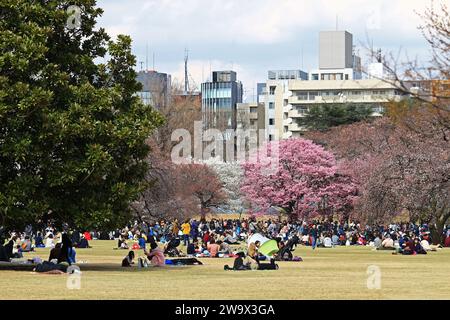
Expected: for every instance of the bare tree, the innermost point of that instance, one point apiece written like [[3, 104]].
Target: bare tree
[[429, 81]]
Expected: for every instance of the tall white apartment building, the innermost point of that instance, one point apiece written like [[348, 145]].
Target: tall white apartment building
[[289, 94]]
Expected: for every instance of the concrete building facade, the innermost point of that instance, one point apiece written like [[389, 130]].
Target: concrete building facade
[[156, 88], [291, 100]]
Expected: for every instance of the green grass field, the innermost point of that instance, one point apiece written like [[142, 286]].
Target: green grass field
[[338, 273]]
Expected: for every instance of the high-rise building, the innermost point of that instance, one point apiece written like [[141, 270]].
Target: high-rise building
[[277, 88], [219, 100], [290, 94], [156, 88], [337, 59], [335, 50]]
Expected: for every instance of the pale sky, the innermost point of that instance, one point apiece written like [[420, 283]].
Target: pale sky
[[254, 36]]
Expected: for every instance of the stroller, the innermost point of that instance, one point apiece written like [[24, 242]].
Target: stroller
[[285, 254], [171, 248]]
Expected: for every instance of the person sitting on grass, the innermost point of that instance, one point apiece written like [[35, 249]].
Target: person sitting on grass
[[156, 255], [38, 241], [335, 239], [253, 254], [27, 245], [327, 242], [239, 263], [170, 248], [408, 247], [213, 248], [55, 253], [193, 248], [128, 260], [418, 249], [141, 242], [224, 248], [11, 249], [387, 243], [83, 243], [229, 239], [377, 242], [49, 242], [122, 243]]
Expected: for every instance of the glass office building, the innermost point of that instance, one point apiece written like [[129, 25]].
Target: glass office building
[[219, 100]]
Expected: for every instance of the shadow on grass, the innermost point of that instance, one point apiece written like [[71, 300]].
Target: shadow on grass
[[115, 267]]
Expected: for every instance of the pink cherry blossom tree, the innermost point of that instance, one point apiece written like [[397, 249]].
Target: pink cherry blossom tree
[[305, 181]]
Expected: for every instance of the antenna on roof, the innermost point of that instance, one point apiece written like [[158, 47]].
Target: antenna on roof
[[186, 79], [146, 57], [379, 56], [302, 57], [203, 73], [154, 61], [337, 19]]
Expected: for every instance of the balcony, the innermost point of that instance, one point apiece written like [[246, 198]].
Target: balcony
[[287, 108], [295, 127], [362, 98], [296, 114], [287, 121], [287, 135]]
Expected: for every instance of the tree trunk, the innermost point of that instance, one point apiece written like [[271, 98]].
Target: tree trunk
[[202, 213], [438, 228]]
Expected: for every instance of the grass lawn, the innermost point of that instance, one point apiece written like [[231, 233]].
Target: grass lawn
[[338, 273]]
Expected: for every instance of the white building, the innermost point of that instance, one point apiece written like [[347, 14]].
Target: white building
[[289, 94]]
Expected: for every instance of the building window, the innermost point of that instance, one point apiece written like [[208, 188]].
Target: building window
[[346, 77], [302, 109], [286, 129], [313, 95], [253, 110], [271, 138], [272, 90], [271, 105], [302, 95], [271, 122], [285, 102], [315, 76]]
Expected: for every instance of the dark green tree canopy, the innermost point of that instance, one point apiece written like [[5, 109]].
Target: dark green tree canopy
[[72, 130], [324, 116]]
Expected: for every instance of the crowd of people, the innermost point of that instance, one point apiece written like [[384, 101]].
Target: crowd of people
[[314, 233], [224, 238]]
